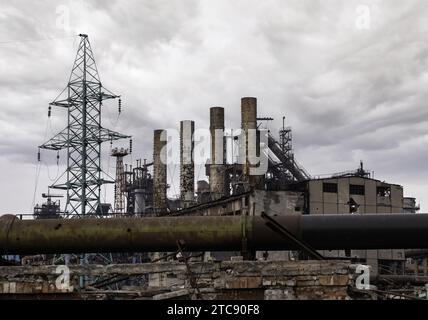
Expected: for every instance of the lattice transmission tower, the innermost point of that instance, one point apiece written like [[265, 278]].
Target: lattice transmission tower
[[83, 98]]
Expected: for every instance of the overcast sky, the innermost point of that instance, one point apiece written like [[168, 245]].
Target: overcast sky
[[350, 76]]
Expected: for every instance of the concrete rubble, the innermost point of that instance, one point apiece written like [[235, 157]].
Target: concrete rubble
[[227, 280]]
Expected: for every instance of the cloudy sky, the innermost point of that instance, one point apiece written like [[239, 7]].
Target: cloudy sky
[[350, 76]]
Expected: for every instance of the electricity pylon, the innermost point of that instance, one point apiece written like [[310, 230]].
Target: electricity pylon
[[83, 98]]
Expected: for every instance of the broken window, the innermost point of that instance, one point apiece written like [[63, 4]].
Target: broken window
[[329, 187], [353, 206], [356, 189], [384, 191]]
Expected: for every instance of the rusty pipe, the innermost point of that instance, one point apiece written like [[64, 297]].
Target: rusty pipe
[[416, 253], [211, 233]]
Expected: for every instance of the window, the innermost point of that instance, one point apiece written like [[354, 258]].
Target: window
[[356, 189], [329, 187], [384, 191], [353, 206]]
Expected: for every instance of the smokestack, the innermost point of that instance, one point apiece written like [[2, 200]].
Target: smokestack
[[187, 166], [218, 154], [159, 171], [249, 127]]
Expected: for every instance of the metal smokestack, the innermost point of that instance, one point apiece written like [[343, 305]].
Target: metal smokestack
[[248, 146], [187, 166], [217, 168], [159, 171]]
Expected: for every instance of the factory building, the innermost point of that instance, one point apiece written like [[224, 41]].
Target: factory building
[[353, 195], [357, 193], [285, 189]]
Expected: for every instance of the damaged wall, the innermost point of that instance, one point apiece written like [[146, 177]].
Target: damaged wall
[[204, 280]]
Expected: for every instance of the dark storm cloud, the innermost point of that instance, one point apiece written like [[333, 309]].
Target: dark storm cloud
[[349, 94]]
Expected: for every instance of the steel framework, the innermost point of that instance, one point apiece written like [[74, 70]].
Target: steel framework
[[285, 140], [119, 187], [83, 98]]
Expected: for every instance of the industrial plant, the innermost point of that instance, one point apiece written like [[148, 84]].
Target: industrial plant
[[259, 227]]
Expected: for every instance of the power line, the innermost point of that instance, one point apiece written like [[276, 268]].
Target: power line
[[36, 40], [39, 165], [36, 182]]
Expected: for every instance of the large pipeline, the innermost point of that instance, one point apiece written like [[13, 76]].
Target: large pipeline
[[416, 253], [203, 233]]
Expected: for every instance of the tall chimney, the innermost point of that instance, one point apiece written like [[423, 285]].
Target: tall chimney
[[248, 124], [218, 154], [159, 171], [187, 166]]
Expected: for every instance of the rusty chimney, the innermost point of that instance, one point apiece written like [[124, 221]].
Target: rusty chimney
[[187, 166], [217, 168], [249, 142], [159, 171]]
